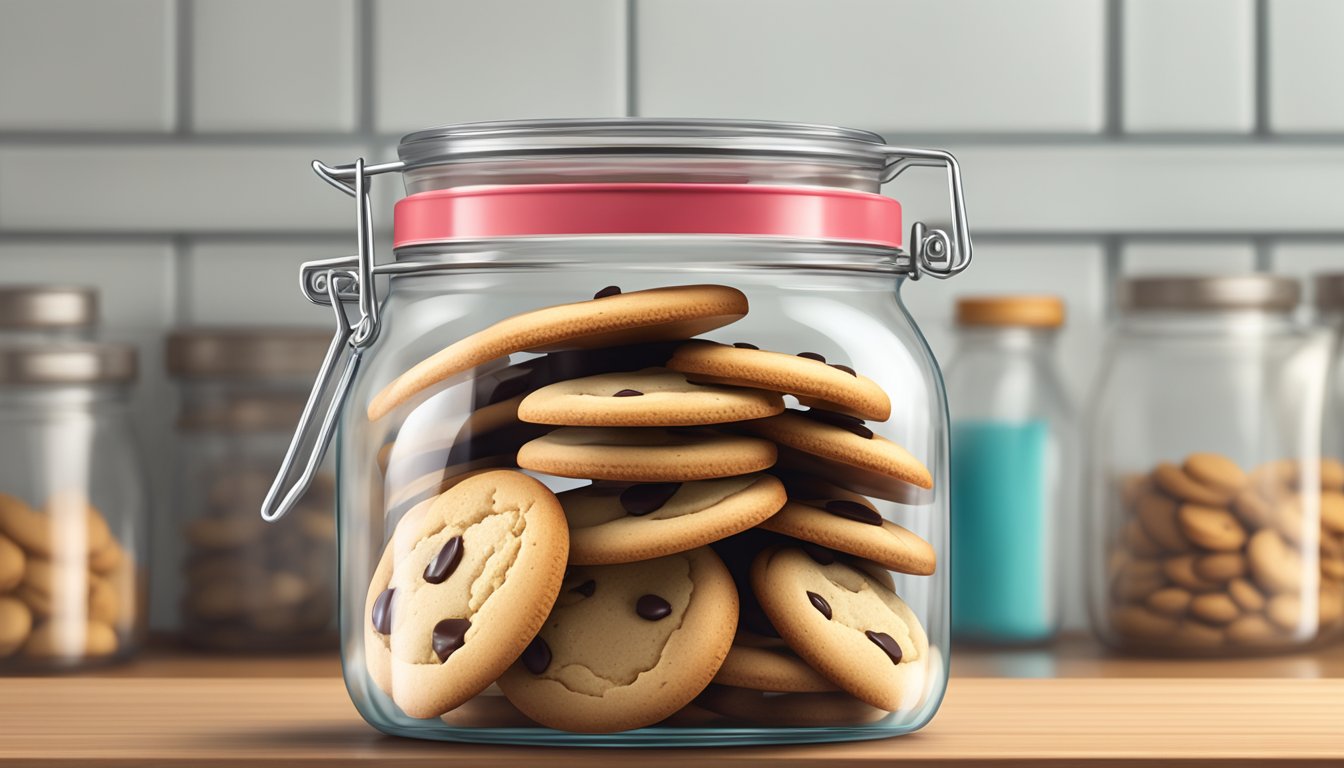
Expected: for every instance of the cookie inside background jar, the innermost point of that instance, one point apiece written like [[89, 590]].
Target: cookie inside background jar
[[611, 457]]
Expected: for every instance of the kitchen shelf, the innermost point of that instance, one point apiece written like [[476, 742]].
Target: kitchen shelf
[[1079, 708]]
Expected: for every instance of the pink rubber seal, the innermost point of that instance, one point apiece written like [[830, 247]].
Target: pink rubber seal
[[526, 210]]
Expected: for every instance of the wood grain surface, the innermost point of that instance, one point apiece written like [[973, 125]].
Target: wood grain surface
[[161, 721]]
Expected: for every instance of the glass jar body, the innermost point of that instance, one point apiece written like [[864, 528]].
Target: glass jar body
[[1210, 530], [74, 529], [1013, 471], [244, 587], [839, 304]]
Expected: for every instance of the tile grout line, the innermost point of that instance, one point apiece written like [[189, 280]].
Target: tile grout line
[[1114, 79], [1260, 80], [631, 59], [364, 74], [181, 280], [182, 59], [1113, 273]]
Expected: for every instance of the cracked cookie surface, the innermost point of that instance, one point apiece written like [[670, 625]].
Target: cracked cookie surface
[[466, 582], [675, 617]]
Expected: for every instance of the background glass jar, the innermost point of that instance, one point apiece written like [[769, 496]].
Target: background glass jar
[[1330, 316], [684, 512], [47, 312], [1012, 470], [240, 590], [1214, 519], [72, 506]]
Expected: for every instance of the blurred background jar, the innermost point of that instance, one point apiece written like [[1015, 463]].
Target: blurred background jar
[[73, 508], [1330, 316], [1216, 526], [242, 390], [47, 312], [1011, 475]]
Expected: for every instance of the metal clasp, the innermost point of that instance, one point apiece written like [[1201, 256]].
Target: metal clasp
[[932, 251], [334, 282]]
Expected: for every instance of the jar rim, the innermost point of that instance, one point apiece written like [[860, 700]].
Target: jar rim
[[1209, 293], [640, 136], [67, 363], [245, 353], [32, 307]]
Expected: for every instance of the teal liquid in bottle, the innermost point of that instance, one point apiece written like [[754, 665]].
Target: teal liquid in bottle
[[1002, 590]]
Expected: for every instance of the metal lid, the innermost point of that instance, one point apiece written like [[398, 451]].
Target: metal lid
[[67, 363], [245, 353], [1210, 292], [1011, 311], [30, 307], [616, 136], [1330, 291]]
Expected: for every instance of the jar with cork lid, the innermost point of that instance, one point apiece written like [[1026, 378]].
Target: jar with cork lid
[[1216, 524]]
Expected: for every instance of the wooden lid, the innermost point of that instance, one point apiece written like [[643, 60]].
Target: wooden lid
[[1023, 311]]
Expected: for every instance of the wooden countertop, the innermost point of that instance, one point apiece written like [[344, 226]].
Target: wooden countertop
[[1076, 707]]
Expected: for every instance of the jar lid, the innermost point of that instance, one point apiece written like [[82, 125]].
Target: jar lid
[[29, 307], [245, 353], [67, 363], [1019, 311], [1330, 291], [643, 136], [1210, 292]]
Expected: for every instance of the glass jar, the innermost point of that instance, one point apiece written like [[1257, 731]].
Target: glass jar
[[1330, 316], [72, 507], [240, 590], [1213, 514], [1012, 448], [546, 279], [47, 312]]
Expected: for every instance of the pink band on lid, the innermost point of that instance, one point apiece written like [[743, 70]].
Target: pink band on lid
[[523, 210]]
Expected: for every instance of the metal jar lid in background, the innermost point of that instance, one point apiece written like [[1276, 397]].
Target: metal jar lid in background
[[1036, 311], [67, 363], [1330, 292], [246, 353], [39, 307], [1210, 293]]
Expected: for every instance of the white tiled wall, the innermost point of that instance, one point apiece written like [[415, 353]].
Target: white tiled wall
[[160, 148]]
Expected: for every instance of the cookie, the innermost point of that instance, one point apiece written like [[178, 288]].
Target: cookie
[[653, 397], [378, 623], [1252, 629], [1246, 596], [12, 562], [1214, 608], [69, 512], [402, 498], [1217, 471], [1156, 514], [436, 435], [845, 452], [53, 640], [1137, 623], [627, 645], [768, 664], [1275, 565], [1179, 484], [645, 455], [1211, 528], [620, 523], [462, 604], [806, 376], [846, 624], [1180, 570], [16, 621], [657, 314], [523, 377], [1221, 566], [788, 710], [1170, 601], [837, 519]]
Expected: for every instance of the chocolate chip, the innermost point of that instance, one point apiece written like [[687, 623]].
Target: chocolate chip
[[647, 497], [812, 356], [744, 345], [628, 393], [444, 563], [610, 290], [382, 613], [819, 554], [448, 636], [820, 604], [888, 645], [537, 657], [853, 510], [586, 589], [846, 369], [840, 420], [653, 607]]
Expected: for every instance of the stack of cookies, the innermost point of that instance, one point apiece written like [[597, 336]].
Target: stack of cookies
[[251, 588], [724, 551], [1210, 558], [68, 588]]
